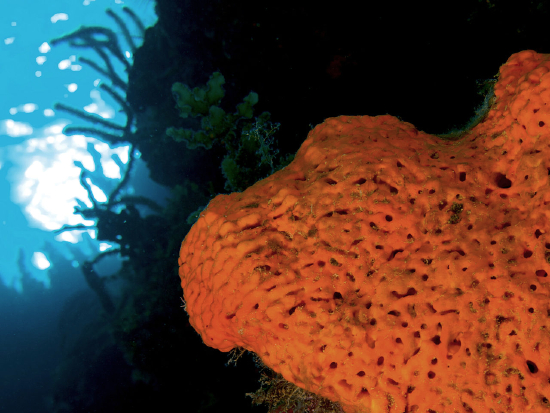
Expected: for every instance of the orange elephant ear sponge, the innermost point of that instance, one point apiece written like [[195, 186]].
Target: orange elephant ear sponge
[[389, 270]]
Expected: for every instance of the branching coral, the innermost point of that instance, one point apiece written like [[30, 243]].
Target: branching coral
[[390, 270], [104, 42], [118, 219]]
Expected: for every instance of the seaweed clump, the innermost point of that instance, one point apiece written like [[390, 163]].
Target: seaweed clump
[[248, 142]]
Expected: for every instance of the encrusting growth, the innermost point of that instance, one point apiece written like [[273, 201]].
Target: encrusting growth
[[390, 270]]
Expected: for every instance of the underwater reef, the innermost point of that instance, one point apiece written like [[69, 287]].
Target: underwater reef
[[222, 101]]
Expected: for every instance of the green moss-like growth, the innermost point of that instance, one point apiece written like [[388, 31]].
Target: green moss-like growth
[[283, 396], [199, 100], [248, 141], [255, 156], [216, 124]]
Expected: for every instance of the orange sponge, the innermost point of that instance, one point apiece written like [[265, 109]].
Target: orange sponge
[[390, 270]]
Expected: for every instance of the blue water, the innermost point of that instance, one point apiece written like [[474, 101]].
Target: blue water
[[39, 187], [64, 346]]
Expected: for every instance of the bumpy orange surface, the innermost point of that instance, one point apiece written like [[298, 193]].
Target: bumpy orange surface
[[390, 270]]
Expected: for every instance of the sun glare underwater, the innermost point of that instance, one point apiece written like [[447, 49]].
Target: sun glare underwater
[[46, 172]]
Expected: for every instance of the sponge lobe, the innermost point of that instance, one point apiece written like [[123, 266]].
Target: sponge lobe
[[391, 270]]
